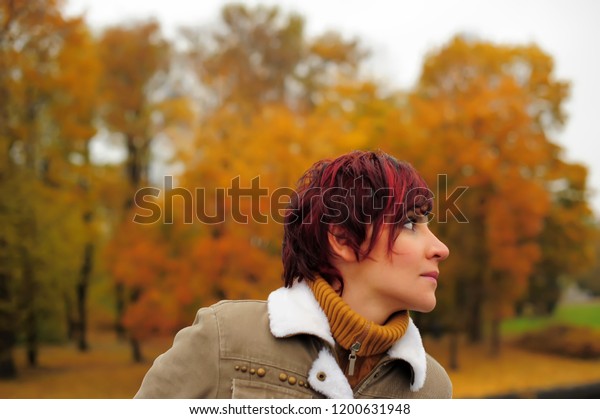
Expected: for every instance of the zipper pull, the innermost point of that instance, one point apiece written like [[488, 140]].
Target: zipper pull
[[352, 358]]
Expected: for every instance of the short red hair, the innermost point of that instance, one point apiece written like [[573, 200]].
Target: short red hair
[[353, 191]]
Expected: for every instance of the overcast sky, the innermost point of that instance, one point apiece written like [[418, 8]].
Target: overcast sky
[[400, 32]]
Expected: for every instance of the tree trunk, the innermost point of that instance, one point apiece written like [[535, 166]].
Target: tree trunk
[[134, 171], [7, 362], [7, 332], [31, 338], [82, 291], [495, 337], [120, 307], [453, 351], [70, 320], [136, 350], [474, 321], [137, 173], [474, 308], [30, 321]]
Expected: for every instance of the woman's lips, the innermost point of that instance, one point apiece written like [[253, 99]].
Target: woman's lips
[[433, 276]]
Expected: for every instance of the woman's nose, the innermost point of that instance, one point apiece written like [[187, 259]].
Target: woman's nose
[[438, 249]]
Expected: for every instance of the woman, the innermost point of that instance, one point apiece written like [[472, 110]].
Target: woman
[[357, 256]]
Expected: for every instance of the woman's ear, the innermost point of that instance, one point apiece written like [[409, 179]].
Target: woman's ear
[[338, 243]]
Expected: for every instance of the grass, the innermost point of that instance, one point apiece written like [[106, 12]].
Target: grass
[[521, 325], [580, 315], [583, 314]]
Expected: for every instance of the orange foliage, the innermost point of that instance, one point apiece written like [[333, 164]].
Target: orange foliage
[[480, 114]]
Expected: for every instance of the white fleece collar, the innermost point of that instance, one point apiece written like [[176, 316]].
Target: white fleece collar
[[295, 310], [410, 348]]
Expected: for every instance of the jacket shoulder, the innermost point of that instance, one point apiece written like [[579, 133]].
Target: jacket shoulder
[[245, 334], [437, 384], [226, 309], [189, 367], [240, 323]]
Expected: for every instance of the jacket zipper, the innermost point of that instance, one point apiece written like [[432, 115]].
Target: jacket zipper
[[355, 348]]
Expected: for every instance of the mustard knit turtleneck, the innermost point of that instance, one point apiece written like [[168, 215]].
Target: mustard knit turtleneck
[[348, 327]]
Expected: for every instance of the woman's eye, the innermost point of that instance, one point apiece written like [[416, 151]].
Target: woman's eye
[[410, 224]]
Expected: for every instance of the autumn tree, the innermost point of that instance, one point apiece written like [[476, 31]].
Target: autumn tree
[[269, 82], [140, 102], [133, 59], [262, 56], [46, 113], [483, 115], [589, 280], [76, 92], [263, 118], [569, 225]]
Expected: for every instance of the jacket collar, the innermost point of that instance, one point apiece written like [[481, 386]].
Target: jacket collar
[[295, 310]]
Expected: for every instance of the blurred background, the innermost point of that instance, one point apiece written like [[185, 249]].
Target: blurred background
[[122, 124]]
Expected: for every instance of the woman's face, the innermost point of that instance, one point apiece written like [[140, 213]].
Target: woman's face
[[406, 278]]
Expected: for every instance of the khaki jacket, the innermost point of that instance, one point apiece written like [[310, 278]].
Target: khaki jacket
[[282, 348]]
